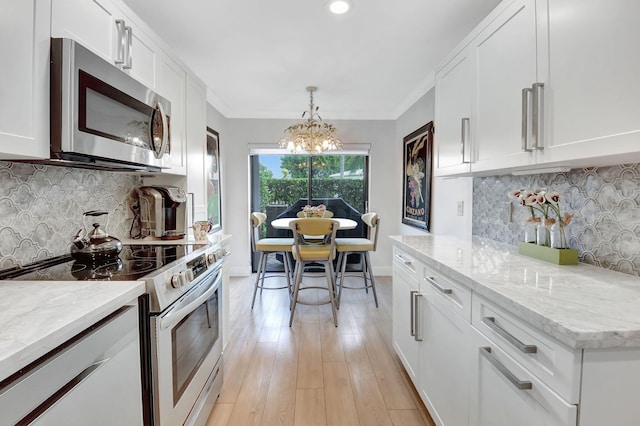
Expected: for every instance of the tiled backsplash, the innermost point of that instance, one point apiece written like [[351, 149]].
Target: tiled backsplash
[[41, 207], [605, 201]]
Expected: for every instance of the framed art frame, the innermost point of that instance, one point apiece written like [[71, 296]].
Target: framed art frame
[[416, 177], [212, 170]]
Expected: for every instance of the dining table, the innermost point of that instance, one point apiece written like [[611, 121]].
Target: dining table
[[344, 223]]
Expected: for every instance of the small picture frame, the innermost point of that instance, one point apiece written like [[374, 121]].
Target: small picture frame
[[212, 170], [417, 176]]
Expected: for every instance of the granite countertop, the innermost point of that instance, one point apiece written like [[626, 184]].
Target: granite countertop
[[582, 306], [37, 316]]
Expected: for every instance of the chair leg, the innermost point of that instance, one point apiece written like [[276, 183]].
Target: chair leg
[[330, 286], [296, 287], [363, 259], [367, 261], [343, 267], [261, 265], [285, 258]]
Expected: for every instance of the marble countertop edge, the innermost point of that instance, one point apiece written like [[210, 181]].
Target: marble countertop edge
[[574, 329]]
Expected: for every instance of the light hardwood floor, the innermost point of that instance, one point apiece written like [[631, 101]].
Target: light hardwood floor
[[313, 373]]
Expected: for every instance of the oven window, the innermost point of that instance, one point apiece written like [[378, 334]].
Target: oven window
[[191, 341], [106, 111]]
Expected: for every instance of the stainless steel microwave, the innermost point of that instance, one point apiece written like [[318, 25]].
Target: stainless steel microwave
[[103, 118]]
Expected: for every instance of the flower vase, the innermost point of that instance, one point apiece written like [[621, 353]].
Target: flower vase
[[557, 236], [542, 234], [529, 232]]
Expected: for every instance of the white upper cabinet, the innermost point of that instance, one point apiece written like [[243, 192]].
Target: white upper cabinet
[[593, 98], [196, 145], [106, 30], [172, 85], [554, 83], [24, 86], [506, 68], [452, 140]]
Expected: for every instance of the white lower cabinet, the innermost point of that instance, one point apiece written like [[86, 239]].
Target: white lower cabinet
[[504, 393], [444, 362], [405, 290]]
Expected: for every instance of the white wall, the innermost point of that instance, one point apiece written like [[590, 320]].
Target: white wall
[[385, 198], [445, 192], [234, 152]]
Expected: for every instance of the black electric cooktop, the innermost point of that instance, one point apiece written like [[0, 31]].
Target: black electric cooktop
[[133, 263]]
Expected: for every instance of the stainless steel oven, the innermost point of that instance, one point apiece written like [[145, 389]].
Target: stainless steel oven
[[186, 342]]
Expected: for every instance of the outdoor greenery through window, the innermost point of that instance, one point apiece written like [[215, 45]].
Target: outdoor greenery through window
[[284, 179]]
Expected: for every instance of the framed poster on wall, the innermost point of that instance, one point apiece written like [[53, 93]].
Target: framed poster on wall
[[416, 189], [212, 170]]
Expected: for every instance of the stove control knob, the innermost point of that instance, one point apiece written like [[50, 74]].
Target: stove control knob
[[175, 281], [184, 277], [189, 275], [211, 258]]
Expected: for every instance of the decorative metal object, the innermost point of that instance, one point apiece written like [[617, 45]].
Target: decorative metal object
[[313, 136]]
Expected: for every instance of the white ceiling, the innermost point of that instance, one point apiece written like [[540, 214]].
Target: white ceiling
[[257, 56]]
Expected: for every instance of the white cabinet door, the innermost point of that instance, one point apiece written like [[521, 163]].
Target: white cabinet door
[[445, 361], [593, 98], [196, 145], [89, 22], [453, 116], [24, 86], [405, 287], [506, 63], [94, 24], [496, 399], [172, 85]]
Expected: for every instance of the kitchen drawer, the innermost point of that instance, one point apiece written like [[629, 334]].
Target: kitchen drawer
[[447, 291], [504, 393], [406, 263], [555, 364]]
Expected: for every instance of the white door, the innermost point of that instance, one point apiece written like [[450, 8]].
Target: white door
[[405, 287], [24, 86], [453, 116], [593, 97], [506, 64], [445, 362], [503, 393]]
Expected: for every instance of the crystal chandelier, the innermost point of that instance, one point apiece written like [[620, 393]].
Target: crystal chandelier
[[313, 135]]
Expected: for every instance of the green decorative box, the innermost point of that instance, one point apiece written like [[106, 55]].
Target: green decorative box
[[548, 254]]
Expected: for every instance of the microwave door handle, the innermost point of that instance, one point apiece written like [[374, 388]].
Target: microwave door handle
[[175, 317], [165, 132]]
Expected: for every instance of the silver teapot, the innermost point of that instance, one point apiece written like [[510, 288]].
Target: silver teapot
[[97, 245]]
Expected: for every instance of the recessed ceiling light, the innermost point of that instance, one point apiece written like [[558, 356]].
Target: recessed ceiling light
[[339, 6]]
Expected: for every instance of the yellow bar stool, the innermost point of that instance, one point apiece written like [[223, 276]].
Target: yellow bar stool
[[305, 254], [267, 246], [362, 246]]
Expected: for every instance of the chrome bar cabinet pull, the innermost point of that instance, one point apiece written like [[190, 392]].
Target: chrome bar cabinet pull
[[464, 138], [485, 351], [526, 92], [434, 283], [537, 116], [121, 40], [128, 48], [491, 323], [417, 317], [412, 317]]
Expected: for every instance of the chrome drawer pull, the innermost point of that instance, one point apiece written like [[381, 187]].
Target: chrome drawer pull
[[485, 351], [491, 323], [403, 260], [434, 283]]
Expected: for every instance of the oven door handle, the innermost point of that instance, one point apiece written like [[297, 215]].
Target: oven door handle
[[173, 318]]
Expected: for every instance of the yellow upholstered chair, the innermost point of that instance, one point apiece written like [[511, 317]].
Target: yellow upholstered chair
[[305, 253], [267, 246], [362, 246]]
